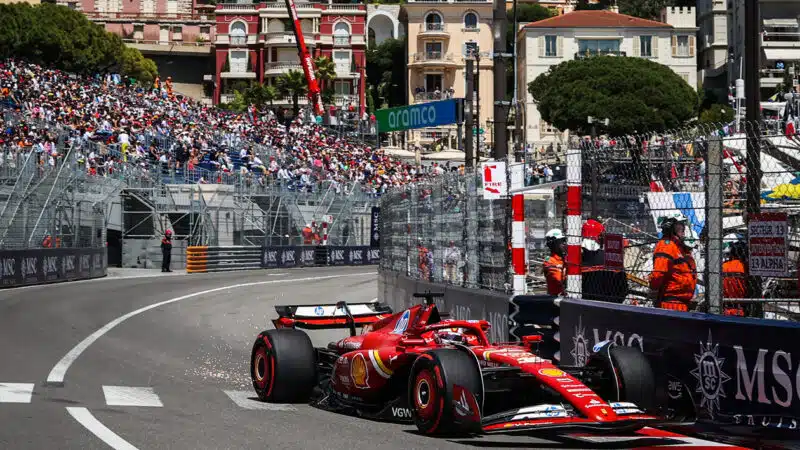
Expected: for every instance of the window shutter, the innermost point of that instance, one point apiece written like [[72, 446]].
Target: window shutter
[[654, 46], [637, 46], [674, 45], [691, 45], [541, 46], [560, 46]]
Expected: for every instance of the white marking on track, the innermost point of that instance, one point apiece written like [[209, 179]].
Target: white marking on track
[[16, 392], [249, 400], [58, 372], [131, 396], [88, 421]]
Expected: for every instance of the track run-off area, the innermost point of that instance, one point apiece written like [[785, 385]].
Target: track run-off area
[[162, 362]]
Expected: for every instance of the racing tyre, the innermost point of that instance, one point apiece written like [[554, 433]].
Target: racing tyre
[[445, 391], [634, 377], [283, 366]]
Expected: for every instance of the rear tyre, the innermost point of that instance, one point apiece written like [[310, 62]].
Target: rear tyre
[[283, 366], [633, 376], [445, 393]]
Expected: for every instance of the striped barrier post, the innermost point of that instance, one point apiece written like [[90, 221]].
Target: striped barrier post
[[574, 204], [518, 247]]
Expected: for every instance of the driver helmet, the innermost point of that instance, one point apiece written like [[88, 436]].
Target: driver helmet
[[451, 336]]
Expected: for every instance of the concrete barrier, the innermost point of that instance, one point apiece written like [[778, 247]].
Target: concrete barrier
[[51, 265]]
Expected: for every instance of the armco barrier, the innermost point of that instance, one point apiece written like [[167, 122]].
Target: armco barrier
[[201, 259], [52, 265], [224, 259], [396, 291], [738, 372]]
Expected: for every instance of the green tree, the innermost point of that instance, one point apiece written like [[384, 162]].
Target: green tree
[[325, 69], [383, 63], [717, 114], [136, 66], [636, 94], [293, 84], [583, 5]]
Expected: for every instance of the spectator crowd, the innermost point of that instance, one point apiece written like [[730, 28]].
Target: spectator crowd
[[115, 124]]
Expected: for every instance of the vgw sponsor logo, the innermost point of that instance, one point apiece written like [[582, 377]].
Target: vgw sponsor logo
[[401, 413], [28, 267], [582, 346]]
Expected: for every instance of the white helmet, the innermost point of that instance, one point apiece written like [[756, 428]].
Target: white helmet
[[691, 240], [554, 235]]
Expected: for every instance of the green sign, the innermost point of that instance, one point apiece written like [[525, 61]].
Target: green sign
[[422, 115]]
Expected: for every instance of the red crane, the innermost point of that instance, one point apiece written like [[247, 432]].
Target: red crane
[[314, 94]]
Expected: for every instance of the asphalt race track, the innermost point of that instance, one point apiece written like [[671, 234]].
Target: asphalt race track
[[128, 375]]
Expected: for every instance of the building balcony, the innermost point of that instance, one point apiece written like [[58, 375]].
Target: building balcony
[[422, 97], [433, 59], [346, 8], [241, 75], [780, 39], [450, 1], [235, 41], [278, 10], [287, 101], [286, 38], [236, 8], [149, 17], [590, 53], [341, 41], [771, 78], [281, 67], [345, 99], [149, 47], [434, 30]]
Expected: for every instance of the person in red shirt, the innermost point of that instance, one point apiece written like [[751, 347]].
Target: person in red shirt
[[553, 268]]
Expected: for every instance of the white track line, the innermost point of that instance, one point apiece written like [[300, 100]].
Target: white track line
[[56, 376], [85, 418], [247, 400], [16, 392], [131, 396]]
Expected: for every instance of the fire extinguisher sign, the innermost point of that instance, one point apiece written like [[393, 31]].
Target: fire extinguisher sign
[[495, 180]]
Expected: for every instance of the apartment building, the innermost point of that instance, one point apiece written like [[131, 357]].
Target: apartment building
[[581, 34], [255, 41], [442, 35]]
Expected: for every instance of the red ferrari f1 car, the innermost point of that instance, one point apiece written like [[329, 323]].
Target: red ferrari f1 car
[[444, 375]]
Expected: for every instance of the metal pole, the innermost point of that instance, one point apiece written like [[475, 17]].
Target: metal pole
[[593, 165], [713, 234], [753, 115], [500, 105], [468, 119], [519, 156], [477, 111]]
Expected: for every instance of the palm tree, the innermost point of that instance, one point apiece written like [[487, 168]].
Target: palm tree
[[270, 94], [326, 69], [293, 83]]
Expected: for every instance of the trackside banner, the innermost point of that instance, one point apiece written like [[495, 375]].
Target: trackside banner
[[736, 371], [306, 256], [38, 266]]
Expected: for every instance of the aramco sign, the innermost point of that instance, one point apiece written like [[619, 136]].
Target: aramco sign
[[421, 115]]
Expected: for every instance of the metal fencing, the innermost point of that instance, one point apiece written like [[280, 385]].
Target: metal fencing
[[731, 185], [444, 231]]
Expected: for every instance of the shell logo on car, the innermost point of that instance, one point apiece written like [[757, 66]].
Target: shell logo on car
[[358, 372], [551, 372]]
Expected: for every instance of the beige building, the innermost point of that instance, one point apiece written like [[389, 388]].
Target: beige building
[[441, 36], [30, 2], [580, 34]]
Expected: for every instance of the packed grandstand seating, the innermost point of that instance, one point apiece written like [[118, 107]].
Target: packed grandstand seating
[[112, 124]]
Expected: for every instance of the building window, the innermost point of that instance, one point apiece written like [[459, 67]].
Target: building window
[[470, 49], [551, 46], [471, 21], [177, 33], [433, 22], [646, 46], [342, 61], [684, 76], [598, 46], [341, 87], [433, 51], [239, 61], [138, 32], [238, 33], [682, 46], [341, 34], [205, 32]]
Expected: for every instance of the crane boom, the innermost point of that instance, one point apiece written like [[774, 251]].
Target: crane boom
[[314, 94]]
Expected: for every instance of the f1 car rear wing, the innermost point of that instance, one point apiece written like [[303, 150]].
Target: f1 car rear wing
[[331, 316]]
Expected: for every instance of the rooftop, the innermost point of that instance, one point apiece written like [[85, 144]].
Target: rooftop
[[596, 19]]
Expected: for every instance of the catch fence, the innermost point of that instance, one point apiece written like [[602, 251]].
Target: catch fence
[[442, 230], [728, 183]]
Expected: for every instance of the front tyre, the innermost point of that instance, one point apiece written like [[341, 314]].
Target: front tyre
[[445, 391], [283, 366]]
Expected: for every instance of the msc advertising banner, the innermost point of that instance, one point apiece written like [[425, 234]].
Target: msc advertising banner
[[736, 371], [421, 115], [303, 256], [37, 266]]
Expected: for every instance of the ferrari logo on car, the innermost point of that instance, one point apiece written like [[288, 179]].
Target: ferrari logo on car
[[551, 372], [358, 372]]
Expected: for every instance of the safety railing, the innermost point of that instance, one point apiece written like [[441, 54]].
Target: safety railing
[[225, 259]]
